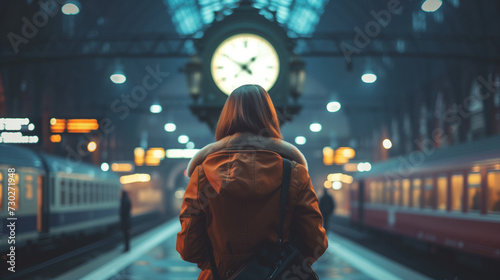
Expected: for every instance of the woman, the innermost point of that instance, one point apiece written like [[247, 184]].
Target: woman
[[233, 195]]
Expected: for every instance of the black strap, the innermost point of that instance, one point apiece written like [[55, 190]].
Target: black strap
[[285, 183]]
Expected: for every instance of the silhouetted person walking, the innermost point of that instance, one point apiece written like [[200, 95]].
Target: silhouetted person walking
[[326, 206], [125, 207]]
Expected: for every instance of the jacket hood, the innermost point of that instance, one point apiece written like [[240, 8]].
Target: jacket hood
[[247, 141]]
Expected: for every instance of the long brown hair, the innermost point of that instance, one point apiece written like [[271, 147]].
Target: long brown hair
[[248, 109]]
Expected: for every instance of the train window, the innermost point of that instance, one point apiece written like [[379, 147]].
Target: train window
[[1, 190], [28, 183], [380, 192], [95, 190], [71, 192], [387, 192], [442, 185], [397, 192], [52, 191], [417, 184], [78, 194], [457, 190], [84, 192], [373, 192], [494, 191], [63, 192], [428, 192], [406, 192], [474, 183]]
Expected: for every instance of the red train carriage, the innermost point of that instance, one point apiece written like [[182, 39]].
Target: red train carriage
[[448, 196]]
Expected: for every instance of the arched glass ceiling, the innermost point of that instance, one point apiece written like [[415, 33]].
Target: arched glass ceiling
[[300, 17]]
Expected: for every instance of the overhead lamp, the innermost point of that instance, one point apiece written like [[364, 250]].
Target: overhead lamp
[[92, 146], [387, 144], [118, 78], [190, 145], [183, 139], [333, 106], [364, 166], [300, 140], [104, 166], [369, 78], [170, 127], [431, 6], [72, 7], [315, 127], [155, 108]]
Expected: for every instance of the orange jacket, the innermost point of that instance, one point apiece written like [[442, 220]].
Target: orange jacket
[[234, 195]]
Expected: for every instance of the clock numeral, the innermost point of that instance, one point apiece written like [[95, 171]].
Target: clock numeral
[[220, 67], [245, 43]]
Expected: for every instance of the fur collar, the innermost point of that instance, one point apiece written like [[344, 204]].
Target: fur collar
[[246, 141]]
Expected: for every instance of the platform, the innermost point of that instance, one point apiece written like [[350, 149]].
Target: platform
[[153, 256]]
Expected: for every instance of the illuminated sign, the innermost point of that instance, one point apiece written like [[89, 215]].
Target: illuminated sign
[[73, 125], [13, 128]]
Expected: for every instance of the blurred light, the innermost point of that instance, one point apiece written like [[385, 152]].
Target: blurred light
[[170, 127], [346, 152], [327, 184], [300, 140], [336, 185], [17, 137], [328, 156], [369, 78], [56, 138], [13, 123], [78, 125], [334, 177], [431, 6], [190, 145], [155, 108], [179, 194], [333, 106], [350, 167], [387, 144], [183, 139], [134, 178], [139, 156], [92, 146], [158, 153], [118, 78], [72, 7], [364, 166], [315, 127], [122, 167], [181, 153], [57, 125], [104, 166], [31, 126]]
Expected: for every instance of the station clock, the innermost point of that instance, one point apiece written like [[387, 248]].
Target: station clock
[[244, 58]]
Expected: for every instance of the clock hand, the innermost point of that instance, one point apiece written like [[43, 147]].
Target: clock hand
[[236, 62]]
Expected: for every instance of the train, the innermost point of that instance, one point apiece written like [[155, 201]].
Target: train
[[448, 197], [48, 199]]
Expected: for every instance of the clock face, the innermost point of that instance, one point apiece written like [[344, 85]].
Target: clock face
[[244, 59]]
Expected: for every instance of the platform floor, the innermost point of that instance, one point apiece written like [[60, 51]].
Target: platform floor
[[153, 256]]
